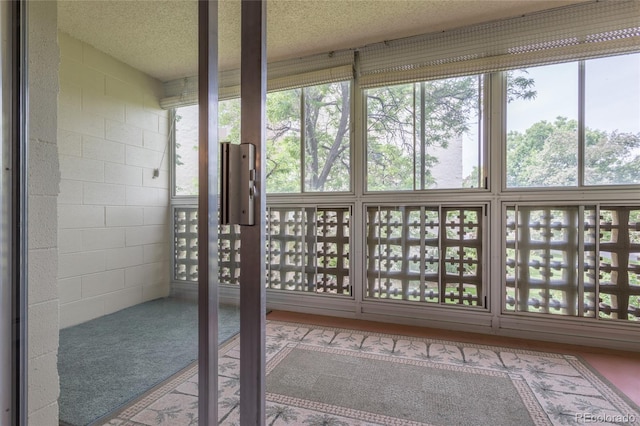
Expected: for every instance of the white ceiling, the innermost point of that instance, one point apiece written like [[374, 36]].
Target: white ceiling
[[160, 37]]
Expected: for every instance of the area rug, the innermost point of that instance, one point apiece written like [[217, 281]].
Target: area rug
[[339, 377]]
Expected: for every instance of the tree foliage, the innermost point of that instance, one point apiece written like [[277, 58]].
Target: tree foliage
[[310, 128], [283, 141], [407, 123], [401, 117], [327, 131], [546, 154]]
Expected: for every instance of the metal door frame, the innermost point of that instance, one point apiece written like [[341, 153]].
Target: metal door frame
[[13, 199], [253, 85], [207, 213], [252, 278]]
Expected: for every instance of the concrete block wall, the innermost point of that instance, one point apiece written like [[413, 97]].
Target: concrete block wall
[[113, 238], [43, 187]]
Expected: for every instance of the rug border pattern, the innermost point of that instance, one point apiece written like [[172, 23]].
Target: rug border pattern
[[585, 368], [427, 339], [537, 414], [536, 411]]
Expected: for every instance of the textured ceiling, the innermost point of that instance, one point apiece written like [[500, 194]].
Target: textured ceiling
[[160, 37]]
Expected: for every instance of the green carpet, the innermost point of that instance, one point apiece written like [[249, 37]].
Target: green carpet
[[419, 392], [106, 362]]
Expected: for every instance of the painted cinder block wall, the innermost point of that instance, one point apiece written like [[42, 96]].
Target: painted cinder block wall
[[43, 184], [113, 216]]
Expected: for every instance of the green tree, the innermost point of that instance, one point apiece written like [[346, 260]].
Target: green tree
[[393, 124], [401, 118], [283, 141], [229, 120], [546, 154], [327, 119]]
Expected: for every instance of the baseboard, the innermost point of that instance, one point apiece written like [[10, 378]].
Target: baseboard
[[582, 332], [572, 331]]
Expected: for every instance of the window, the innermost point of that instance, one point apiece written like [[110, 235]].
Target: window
[[186, 141], [612, 120], [327, 126], [580, 129], [554, 140], [556, 234], [426, 135], [308, 138], [229, 121], [186, 150], [542, 129], [283, 141], [308, 150]]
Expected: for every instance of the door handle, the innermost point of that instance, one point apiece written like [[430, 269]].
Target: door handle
[[238, 184]]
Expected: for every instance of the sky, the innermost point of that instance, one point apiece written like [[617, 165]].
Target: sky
[[612, 99], [612, 95]]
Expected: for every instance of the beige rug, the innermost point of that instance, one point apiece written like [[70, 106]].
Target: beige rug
[[338, 377]]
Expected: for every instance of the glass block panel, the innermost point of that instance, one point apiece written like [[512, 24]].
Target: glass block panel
[[332, 250], [542, 250], [185, 244], [186, 248], [288, 257], [619, 263], [543, 253], [510, 260], [307, 249], [590, 272], [403, 254], [462, 248], [229, 254]]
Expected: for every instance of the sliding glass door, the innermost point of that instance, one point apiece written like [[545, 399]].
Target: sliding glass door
[[242, 401], [111, 245]]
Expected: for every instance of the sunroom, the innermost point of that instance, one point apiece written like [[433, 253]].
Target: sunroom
[[480, 177], [429, 180]]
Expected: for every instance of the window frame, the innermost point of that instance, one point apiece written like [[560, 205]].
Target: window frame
[[173, 157], [484, 142], [494, 196], [581, 147], [303, 136]]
